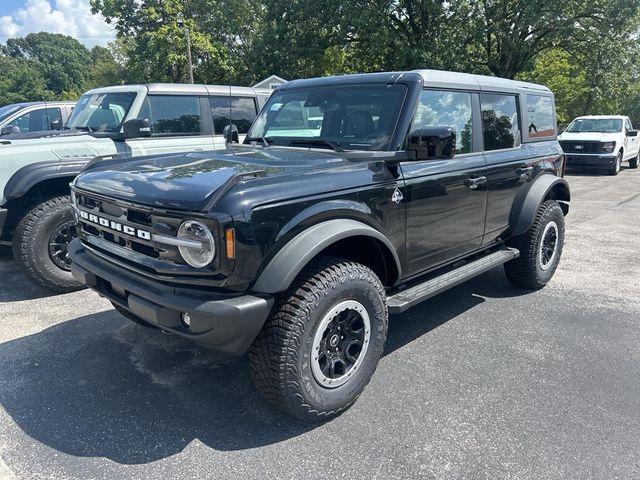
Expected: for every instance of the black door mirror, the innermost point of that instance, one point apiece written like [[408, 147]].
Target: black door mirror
[[431, 143], [55, 125], [136, 128], [632, 133], [230, 134], [10, 130]]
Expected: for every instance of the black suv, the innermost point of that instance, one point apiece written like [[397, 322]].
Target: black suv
[[351, 198]]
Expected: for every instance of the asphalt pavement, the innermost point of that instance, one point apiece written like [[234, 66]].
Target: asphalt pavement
[[484, 381]]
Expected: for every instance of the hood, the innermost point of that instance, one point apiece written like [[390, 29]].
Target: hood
[[190, 181], [42, 134], [590, 136]]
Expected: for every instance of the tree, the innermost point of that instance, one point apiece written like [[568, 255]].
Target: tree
[[21, 82]]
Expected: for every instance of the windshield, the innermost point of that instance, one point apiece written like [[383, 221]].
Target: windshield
[[101, 112], [353, 117], [603, 125], [7, 111]]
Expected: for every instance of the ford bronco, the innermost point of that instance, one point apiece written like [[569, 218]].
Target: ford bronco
[[351, 198], [36, 217]]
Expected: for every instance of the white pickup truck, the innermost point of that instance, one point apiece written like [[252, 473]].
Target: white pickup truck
[[601, 142]]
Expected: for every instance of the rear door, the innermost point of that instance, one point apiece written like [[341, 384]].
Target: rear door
[[632, 143], [446, 199], [237, 110]]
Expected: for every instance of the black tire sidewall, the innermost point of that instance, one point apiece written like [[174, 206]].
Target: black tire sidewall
[[331, 399], [31, 245], [552, 213]]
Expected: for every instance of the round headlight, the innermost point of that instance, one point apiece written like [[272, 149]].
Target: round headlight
[[202, 249]]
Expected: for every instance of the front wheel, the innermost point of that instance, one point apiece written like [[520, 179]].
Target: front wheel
[[633, 163], [617, 166], [40, 244], [323, 340], [540, 249]]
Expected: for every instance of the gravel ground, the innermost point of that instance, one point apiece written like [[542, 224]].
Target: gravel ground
[[484, 381]]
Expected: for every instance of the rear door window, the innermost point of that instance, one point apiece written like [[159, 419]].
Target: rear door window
[[241, 111], [541, 118], [172, 115], [500, 121]]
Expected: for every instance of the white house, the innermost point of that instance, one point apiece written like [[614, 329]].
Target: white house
[[271, 82]]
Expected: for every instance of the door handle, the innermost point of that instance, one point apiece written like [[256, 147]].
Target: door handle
[[524, 171], [474, 183]]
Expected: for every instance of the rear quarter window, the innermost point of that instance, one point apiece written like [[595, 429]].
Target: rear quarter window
[[540, 117]]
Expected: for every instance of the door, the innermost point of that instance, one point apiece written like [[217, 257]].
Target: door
[[446, 199], [179, 123], [37, 120], [631, 143], [508, 165]]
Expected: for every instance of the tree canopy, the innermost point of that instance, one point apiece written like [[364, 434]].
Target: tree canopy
[[584, 51]]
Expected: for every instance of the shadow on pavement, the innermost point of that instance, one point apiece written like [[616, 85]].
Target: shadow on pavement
[[15, 286], [102, 386]]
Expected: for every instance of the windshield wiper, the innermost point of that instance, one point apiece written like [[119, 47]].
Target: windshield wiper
[[84, 129], [266, 141], [317, 142]]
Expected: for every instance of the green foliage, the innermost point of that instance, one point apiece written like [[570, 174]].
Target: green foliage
[[586, 52]]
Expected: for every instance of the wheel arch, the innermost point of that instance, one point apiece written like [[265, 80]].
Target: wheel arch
[[344, 238], [545, 187]]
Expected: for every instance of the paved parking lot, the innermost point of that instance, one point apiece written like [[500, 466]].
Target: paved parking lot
[[484, 381]]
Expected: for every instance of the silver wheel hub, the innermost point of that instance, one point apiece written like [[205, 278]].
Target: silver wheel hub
[[548, 249], [340, 343]]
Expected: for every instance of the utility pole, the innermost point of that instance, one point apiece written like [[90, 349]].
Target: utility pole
[[180, 21]]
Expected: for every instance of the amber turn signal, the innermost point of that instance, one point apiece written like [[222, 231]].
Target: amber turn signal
[[231, 243]]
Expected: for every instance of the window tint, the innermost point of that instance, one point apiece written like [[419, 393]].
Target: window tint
[[243, 113], [37, 120], [540, 110], [171, 115], [447, 109], [500, 121]]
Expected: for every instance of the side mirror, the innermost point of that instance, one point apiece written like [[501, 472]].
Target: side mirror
[[10, 130], [632, 133], [431, 143], [136, 128], [230, 134], [56, 125]]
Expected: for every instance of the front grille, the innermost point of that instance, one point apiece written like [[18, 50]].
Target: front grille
[[120, 228], [574, 146]]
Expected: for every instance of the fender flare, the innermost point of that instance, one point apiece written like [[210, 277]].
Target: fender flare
[[283, 268], [29, 176], [523, 215]]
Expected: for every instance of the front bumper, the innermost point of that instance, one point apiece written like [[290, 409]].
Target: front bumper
[[225, 323], [604, 161]]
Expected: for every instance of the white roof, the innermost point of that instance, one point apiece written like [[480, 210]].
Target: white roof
[[183, 89], [469, 80]]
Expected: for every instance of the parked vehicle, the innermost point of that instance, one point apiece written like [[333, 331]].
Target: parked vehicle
[[124, 121], [351, 198], [601, 142], [34, 117]]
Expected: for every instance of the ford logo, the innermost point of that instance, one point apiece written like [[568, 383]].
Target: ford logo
[[579, 147]]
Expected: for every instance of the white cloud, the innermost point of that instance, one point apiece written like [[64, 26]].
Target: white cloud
[[69, 17]]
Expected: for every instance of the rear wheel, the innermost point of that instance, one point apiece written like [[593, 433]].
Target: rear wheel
[[40, 244], [323, 340], [540, 249]]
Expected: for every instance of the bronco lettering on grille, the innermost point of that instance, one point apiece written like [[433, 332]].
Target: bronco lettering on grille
[[116, 226]]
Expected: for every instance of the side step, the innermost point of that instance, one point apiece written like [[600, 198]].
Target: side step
[[406, 299]]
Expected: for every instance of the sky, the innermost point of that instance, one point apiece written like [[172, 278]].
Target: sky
[[70, 17]]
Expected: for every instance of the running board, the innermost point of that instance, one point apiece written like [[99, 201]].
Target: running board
[[406, 299]]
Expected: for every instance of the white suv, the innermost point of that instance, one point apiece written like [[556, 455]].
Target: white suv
[[601, 142]]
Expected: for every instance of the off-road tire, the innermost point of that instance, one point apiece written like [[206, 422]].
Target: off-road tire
[[31, 245], [615, 169], [280, 357], [633, 163], [526, 271], [130, 316]]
